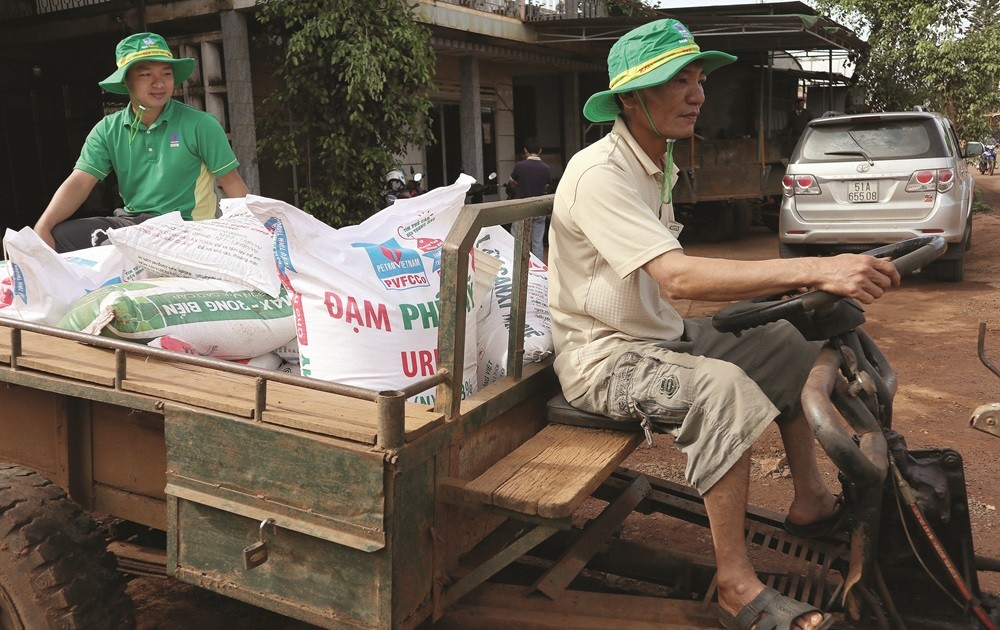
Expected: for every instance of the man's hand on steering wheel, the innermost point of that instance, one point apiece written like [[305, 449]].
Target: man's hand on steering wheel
[[859, 276], [863, 277]]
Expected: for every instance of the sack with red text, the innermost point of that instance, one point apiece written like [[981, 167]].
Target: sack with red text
[[198, 316], [366, 296], [494, 312]]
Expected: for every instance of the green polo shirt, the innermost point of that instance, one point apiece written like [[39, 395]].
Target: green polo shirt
[[170, 165]]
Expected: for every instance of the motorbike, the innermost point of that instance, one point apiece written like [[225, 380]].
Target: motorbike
[[988, 160], [477, 192], [396, 186]]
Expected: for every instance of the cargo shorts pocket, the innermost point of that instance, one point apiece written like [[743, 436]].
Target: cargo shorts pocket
[[644, 387]]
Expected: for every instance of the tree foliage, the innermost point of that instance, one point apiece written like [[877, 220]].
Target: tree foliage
[[943, 54], [356, 76]]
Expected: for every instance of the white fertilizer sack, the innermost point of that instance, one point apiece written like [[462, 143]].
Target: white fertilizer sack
[[366, 296], [234, 247], [494, 313], [44, 284], [200, 316]]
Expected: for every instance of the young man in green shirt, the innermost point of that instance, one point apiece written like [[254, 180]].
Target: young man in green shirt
[[167, 155]]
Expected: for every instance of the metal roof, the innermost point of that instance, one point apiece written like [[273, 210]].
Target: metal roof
[[732, 28]]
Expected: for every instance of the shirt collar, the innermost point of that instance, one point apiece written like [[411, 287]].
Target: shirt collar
[[534, 157], [651, 167], [129, 115]]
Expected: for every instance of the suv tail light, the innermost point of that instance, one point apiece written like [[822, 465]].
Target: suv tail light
[[940, 180], [799, 185], [946, 179]]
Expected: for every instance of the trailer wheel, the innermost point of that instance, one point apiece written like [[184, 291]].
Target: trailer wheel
[[742, 218], [714, 222], [55, 570]]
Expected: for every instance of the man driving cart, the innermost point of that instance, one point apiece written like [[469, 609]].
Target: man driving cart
[[624, 352]]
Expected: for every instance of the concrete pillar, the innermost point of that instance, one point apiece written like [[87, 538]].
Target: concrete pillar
[[573, 117], [236, 53], [470, 112]]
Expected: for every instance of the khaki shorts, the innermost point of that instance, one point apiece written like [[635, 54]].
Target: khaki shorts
[[714, 392]]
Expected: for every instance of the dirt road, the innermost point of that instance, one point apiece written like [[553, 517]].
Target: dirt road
[[928, 331]]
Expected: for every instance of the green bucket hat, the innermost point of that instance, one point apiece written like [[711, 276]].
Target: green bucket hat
[[647, 56], [144, 47]]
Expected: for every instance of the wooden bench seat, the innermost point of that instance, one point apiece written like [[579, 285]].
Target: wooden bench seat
[[552, 473], [543, 482]]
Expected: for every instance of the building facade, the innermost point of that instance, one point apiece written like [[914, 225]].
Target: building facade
[[506, 70]]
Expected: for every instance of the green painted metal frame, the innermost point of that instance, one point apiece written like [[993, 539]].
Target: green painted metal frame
[[455, 252]]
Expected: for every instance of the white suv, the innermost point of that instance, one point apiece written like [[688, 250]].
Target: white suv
[[857, 182]]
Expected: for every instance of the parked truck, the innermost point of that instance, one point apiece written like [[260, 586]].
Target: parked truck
[[350, 508]]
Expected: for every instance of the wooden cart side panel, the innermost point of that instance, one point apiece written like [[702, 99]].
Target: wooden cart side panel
[[129, 449], [412, 541], [465, 528], [33, 431], [329, 488], [305, 578]]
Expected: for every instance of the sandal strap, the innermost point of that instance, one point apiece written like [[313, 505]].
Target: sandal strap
[[770, 609], [751, 612]]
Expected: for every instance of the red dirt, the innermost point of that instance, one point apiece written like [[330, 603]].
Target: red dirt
[[928, 331]]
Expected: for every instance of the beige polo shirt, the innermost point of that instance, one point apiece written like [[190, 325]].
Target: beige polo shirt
[[607, 222]]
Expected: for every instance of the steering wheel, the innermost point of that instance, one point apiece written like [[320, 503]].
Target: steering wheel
[[806, 310]]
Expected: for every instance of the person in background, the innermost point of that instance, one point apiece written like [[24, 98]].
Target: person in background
[[624, 352], [530, 177], [167, 155], [800, 118]]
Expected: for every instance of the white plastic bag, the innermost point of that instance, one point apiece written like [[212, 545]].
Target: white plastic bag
[[366, 296]]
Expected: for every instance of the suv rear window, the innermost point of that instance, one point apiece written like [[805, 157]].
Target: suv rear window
[[880, 139]]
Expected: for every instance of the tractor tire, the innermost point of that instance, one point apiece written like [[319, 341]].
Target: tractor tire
[[715, 222], [55, 569], [742, 218]]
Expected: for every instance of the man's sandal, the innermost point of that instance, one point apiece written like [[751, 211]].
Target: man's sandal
[[825, 527], [771, 611]]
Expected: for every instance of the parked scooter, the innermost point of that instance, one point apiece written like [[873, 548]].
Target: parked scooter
[[397, 187], [988, 160], [477, 192]]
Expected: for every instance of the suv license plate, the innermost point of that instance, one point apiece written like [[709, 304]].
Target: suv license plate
[[862, 192]]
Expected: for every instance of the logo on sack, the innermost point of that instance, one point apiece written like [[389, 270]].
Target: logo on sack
[[20, 290], [431, 248], [282, 253], [175, 140], [398, 268]]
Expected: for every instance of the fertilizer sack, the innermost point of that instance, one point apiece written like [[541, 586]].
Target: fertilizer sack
[[44, 284], [366, 296], [199, 316], [235, 248], [495, 310]]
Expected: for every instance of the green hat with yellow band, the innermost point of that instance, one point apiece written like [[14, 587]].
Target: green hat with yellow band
[[144, 47], [646, 56]]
